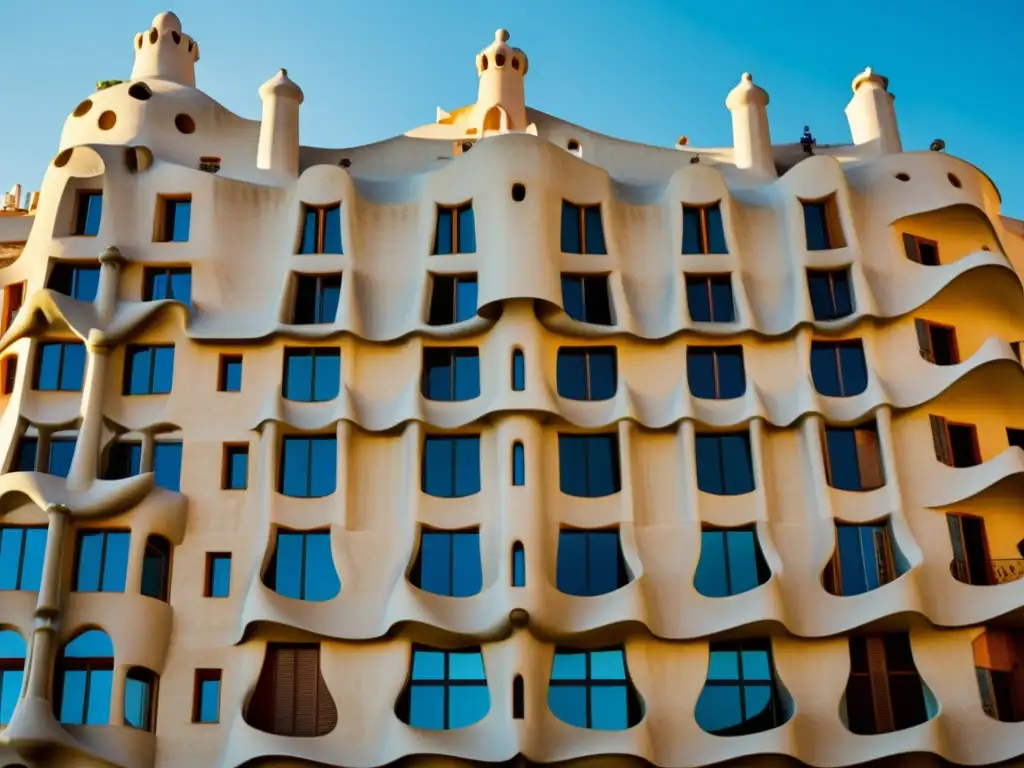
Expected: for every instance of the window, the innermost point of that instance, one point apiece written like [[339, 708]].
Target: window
[[709, 298], [590, 563], [924, 252], [156, 568], [831, 296], [998, 670], [723, 463], [451, 374], [321, 229], [448, 563], [124, 459], [588, 465], [229, 375], [309, 466], [291, 697], [585, 298], [236, 467], [592, 689], [84, 680], [446, 689], [218, 574], [25, 455], [148, 370], [838, 368], [518, 371], [971, 560], [60, 366], [62, 450], [452, 299], [451, 466], [730, 562], [456, 230], [853, 459], [168, 283], [302, 566], [518, 698], [12, 672], [316, 299], [884, 692], [175, 219], [518, 464], [702, 230], [716, 373], [14, 298], [312, 374], [79, 281], [821, 224], [206, 696], [864, 559], [740, 693], [956, 445], [581, 229], [518, 565], [587, 373], [88, 213], [937, 342], [101, 561], [167, 464], [21, 558], [9, 373], [140, 699]]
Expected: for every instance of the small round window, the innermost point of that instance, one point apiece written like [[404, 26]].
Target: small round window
[[107, 120], [954, 180], [518, 192], [184, 123]]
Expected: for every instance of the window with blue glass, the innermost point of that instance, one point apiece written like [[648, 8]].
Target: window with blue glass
[[716, 373], [168, 283], [167, 464], [741, 695], [446, 689], [60, 366], [592, 689], [585, 298], [853, 458], [821, 224], [451, 465], [321, 229], [590, 563], [229, 374], [316, 299], [175, 219], [864, 559], [456, 230], [140, 698], [723, 463], [518, 464], [587, 373], [702, 229], [582, 231], [236, 467], [730, 562], [451, 374], [453, 299], [588, 465], [21, 557], [309, 466], [518, 371], [302, 567], [101, 561], [709, 298], [831, 295], [25, 455], [61, 451], [206, 699], [838, 368], [218, 574], [124, 459], [448, 563], [79, 281], [88, 213], [148, 370], [12, 672], [312, 374], [156, 568], [84, 680], [518, 565]]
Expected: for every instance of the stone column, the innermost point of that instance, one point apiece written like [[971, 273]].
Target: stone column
[[42, 648], [90, 431]]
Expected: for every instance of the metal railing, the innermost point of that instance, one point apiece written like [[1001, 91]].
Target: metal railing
[[1008, 569]]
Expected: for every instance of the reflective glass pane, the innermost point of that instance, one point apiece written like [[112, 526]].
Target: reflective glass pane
[[854, 368], [466, 665], [467, 466], [518, 464], [295, 467], [709, 463], [209, 701], [181, 286], [710, 578], [167, 465], [93, 213], [716, 232], [180, 220], [722, 300], [572, 298], [439, 466], [851, 560], [90, 560], [10, 557], [571, 228], [73, 371], [136, 703], [320, 581], [518, 371], [466, 565], [467, 376], [757, 698], [101, 683], [571, 373], [48, 366], [842, 459], [323, 469], [332, 230], [85, 283], [842, 293], [608, 708], [572, 464], [428, 665], [603, 562], [825, 369], [569, 665], [518, 566], [732, 380], [700, 372], [739, 474], [61, 452], [91, 644], [327, 301], [288, 565], [443, 233], [298, 375], [594, 231], [467, 230], [698, 299], [163, 369], [569, 704], [309, 233], [465, 299], [115, 561], [72, 697], [426, 707], [741, 547], [718, 707], [436, 562], [692, 230], [602, 465], [32, 563], [571, 575], [467, 704], [608, 665], [756, 665], [220, 576], [10, 690], [603, 374]]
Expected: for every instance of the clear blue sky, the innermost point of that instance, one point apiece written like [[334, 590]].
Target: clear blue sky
[[646, 70]]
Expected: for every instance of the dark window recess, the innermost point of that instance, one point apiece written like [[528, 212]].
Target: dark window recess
[[590, 563], [21, 559], [312, 374], [456, 230], [518, 698], [451, 466], [582, 231], [831, 294], [229, 375], [446, 690], [924, 252], [236, 467], [156, 568], [587, 373], [206, 696], [448, 563], [451, 374], [25, 455], [971, 562], [321, 229], [101, 561], [702, 230], [452, 299], [716, 373], [518, 565], [168, 283], [302, 566], [309, 466], [821, 225], [167, 464], [956, 445], [588, 465], [1002, 683], [83, 680], [140, 686], [218, 574], [518, 371], [88, 213], [61, 451], [723, 463], [9, 372], [740, 695], [864, 559], [148, 370], [853, 459], [730, 562], [1015, 437], [59, 366], [518, 464], [124, 459], [316, 299], [176, 219], [79, 281], [585, 298], [838, 368], [291, 697], [884, 692], [937, 343], [592, 689], [709, 298]]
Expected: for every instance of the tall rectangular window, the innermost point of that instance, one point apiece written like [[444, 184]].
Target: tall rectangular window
[[218, 574], [174, 219], [956, 445], [451, 374], [309, 466], [451, 465], [702, 229], [587, 373], [448, 563], [518, 464], [168, 283], [831, 296], [456, 230], [937, 343], [585, 298], [716, 373], [148, 369], [582, 231], [236, 467], [971, 560], [61, 451], [167, 464], [920, 250], [731, 562], [864, 559], [518, 371], [60, 366], [821, 224], [302, 567], [312, 374], [884, 692], [453, 299], [709, 298], [206, 697], [588, 465], [724, 465], [590, 563], [853, 458], [321, 229], [124, 459], [79, 281], [88, 213], [838, 368], [21, 557], [229, 373], [101, 561], [25, 455], [316, 299]]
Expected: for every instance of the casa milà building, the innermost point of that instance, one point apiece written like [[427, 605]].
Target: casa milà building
[[504, 442]]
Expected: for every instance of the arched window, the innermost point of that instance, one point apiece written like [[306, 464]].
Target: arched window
[[518, 463], [156, 568], [140, 698], [85, 674], [518, 565], [518, 702], [518, 371], [12, 669]]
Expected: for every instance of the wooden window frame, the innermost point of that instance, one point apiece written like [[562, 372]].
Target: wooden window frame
[[89, 665], [879, 676], [211, 558], [715, 351], [581, 224], [455, 211], [168, 560], [923, 329], [321, 225], [704, 233], [76, 212], [833, 222], [319, 281], [77, 559], [985, 553], [830, 275], [152, 679], [223, 361], [834, 569], [864, 427], [225, 463], [126, 378], [917, 241], [948, 441], [836, 346], [708, 280], [206, 675], [584, 279], [160, 219], [457, 280]]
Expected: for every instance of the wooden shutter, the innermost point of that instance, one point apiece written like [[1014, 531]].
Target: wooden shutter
[[869, 460], [291, 697], [283, 665], [940, 440], [910, 247], [924, 340], [306, 676], [884, 561], [879, 676], [326, 709]]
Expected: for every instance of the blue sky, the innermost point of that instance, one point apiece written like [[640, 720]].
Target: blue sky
[[645, 70]]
